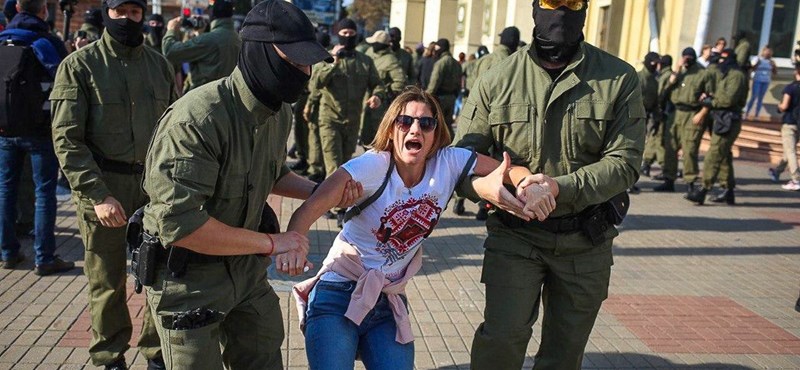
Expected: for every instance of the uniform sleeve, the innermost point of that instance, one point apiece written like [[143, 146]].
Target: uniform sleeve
[[730, 91], [181, 175], [397, 76], [70, 114], [374, 82], [436, 78], [188, 51], [473, 130], [326, 73], [617, 169]]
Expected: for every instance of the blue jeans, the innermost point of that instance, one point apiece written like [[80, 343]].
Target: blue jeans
[[45, 174], [759, 90], [333, 341]]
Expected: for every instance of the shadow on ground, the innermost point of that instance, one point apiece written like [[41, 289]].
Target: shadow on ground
[[629, 361], [694, 223]]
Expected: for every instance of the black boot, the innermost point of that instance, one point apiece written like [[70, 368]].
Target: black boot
[[300, 166], [659, 177], [690, 188], [458, 209], [634, 190], [645, 170], [698, 196], [725, 196], [667, 186]]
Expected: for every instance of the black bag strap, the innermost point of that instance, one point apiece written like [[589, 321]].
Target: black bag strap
[[472, 158], [357, 209]]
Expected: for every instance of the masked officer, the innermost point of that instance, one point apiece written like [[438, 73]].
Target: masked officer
[[391, 74], [445, 80], [654, 149], [155, 32], [342, 86], [106, 100], [405, 59], [685, 86], [216, 155], [649, 84], [509, 41], [572, 114], [725, 103], [211, 55], [93, 24]]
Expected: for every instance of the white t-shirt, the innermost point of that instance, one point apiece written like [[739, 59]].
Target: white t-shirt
[[390, 230]]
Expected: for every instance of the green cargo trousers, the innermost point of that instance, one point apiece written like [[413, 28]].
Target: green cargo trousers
[[672, 143], [521, 268], [316, 165], [691, 136], [654, 146], [718, 163], [106, 256], [250, 329], [300, 129], [339, 140]]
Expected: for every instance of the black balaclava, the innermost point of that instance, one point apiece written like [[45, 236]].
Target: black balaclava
[[396, 36], [270, 78], [156, 32], [510, 38], [689, 52], [349, 42], [727, 61], [94, 17], [124, 30], [558, 32], [651, 60], [444, 46], [221, 9], [378, 47]]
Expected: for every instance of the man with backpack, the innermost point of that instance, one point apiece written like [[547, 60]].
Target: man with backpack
[[29, 56], [790, 106]]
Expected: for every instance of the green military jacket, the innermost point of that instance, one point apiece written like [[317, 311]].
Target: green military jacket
[[407, 62], [106, 100], [314, 94], [446, 76], [150, 41], [211, 55], [730, 90], [389, 70], [488, 61], [469, 73], [690, 84], [92, 33], [649, 85], [341, 87], [742, 52], [216, 153], [584, 129]]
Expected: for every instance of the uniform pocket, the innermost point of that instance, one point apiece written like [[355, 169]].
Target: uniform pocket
[[512, 130], [588, 126]]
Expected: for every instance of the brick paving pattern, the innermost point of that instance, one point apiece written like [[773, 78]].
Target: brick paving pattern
[[692, 288]]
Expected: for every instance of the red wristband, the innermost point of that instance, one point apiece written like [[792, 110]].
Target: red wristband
[[272, 242]]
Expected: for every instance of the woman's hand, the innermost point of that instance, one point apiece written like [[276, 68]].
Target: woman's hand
[[491, 189], [290, 250]]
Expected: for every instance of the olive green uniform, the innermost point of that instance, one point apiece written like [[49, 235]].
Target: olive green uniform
[[487, 62], [656, 141], [217, 153], [316, 164], [445, 84], [394, 79], [300, 126], [648, 82], [211, 55], [106, 100], [407, 63], [151, 41], [342, 86], [685, 94], [730, 94], [469, 74], [584, 130], [742, 52]]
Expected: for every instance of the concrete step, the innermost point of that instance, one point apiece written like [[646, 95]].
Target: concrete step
[[759, 140]]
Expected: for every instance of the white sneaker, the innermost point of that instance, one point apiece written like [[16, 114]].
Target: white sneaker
[[791, 185]]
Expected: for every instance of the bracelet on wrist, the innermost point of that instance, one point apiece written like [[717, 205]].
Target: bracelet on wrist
[[272, 244]]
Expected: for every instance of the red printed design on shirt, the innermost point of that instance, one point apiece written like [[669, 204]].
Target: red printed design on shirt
[[404, 225]]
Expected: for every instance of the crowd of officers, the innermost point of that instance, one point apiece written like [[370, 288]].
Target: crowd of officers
[[109, 94]]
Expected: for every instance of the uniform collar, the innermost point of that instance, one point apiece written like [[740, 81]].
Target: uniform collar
[[226, 23], [248, 102], [577, 59], [118, 50]]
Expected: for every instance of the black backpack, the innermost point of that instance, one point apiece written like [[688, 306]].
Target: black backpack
[[24, 104]]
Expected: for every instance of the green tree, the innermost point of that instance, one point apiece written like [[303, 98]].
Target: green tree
[[372, 12]]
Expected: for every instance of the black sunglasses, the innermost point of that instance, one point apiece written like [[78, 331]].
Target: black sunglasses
[[427, 124]]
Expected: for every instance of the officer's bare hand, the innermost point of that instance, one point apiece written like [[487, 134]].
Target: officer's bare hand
[[288, 242], [698, 118], [292, 263], [374, 102], [81, 42], [307, 113], [539, 202], [110, 213], [546, 181], [174, 24], [491, 189], [353, 191]]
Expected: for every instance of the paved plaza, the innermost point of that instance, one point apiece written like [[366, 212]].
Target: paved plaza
[[692, 287]]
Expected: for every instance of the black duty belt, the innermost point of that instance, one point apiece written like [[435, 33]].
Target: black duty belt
[[687, 107], [108, 165]]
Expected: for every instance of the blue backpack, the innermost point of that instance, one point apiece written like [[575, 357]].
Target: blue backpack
[[28, 64]]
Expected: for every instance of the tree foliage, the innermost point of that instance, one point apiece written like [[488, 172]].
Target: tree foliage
[[372, 12]]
